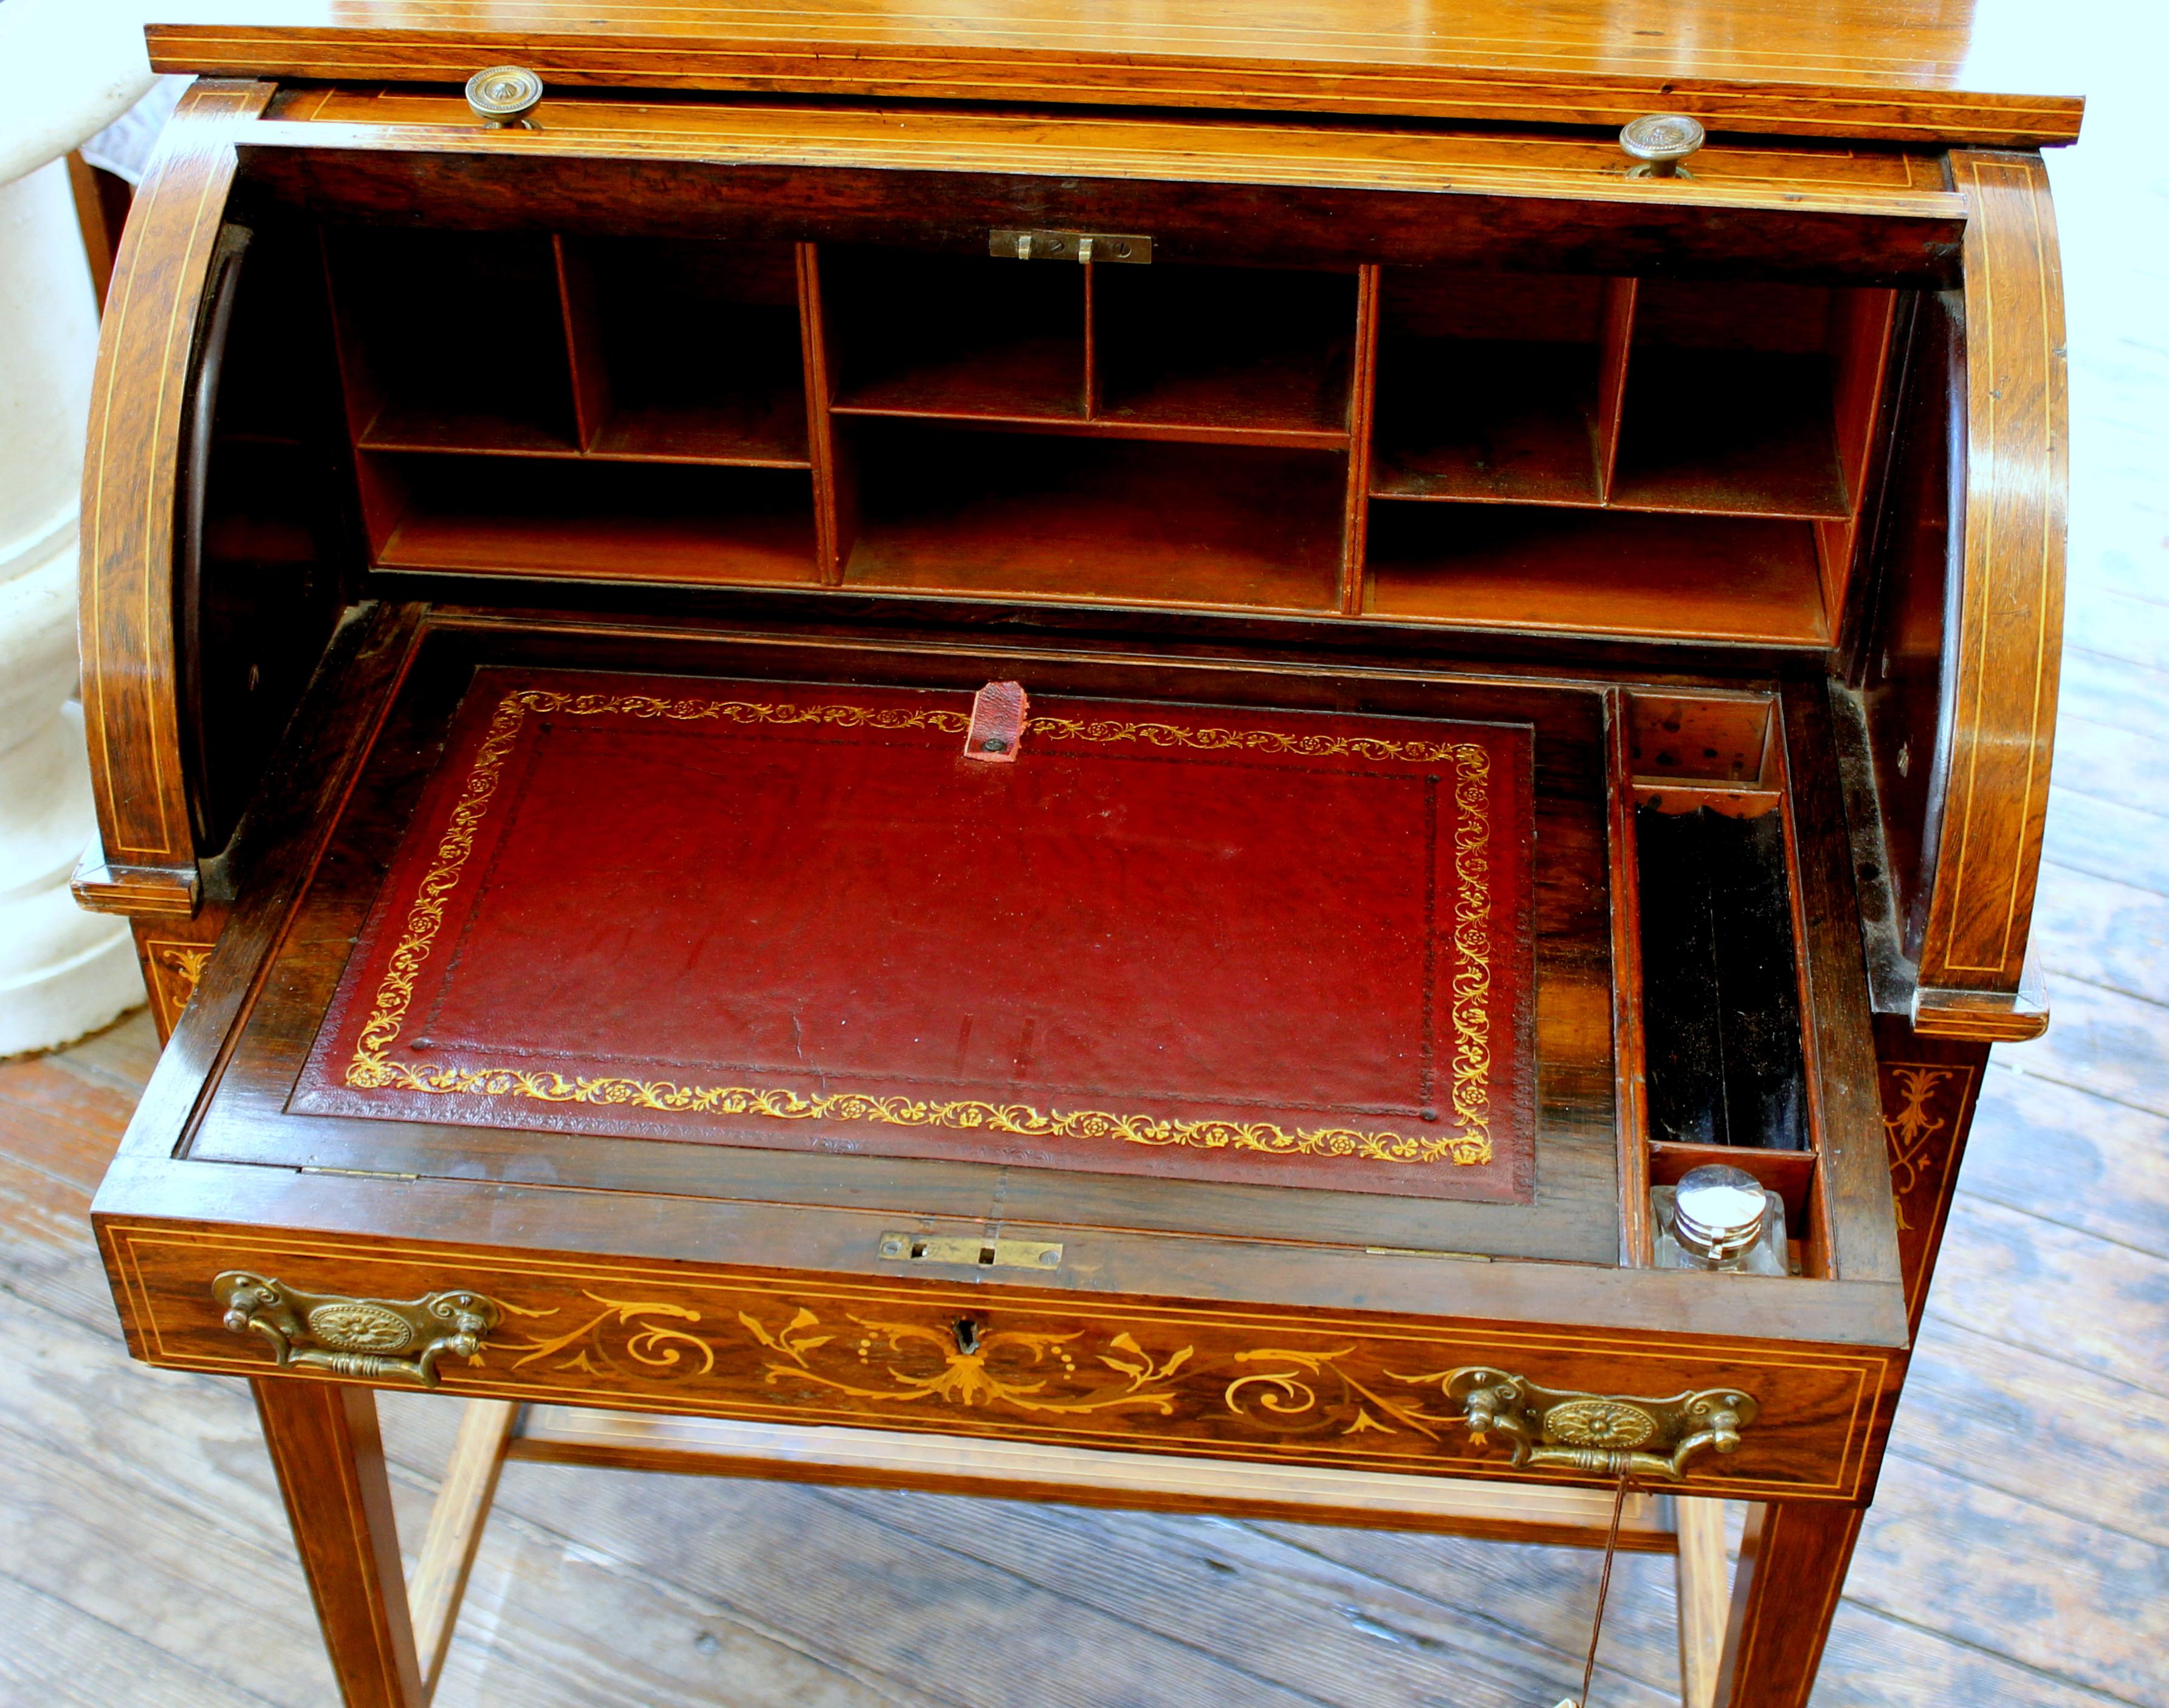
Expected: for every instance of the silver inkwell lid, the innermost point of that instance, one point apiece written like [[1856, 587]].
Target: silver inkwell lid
[[1718, 1212]]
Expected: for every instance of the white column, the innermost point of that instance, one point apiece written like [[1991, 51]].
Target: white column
[[67, 69]]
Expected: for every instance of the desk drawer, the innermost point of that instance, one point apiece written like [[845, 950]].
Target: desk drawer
[[1354, 1392]]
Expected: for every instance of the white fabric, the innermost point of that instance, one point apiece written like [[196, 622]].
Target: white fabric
[[67, 69], [123, 147]]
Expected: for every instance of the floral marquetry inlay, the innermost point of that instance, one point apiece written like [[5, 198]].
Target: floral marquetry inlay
[[1920, 1101], [962, 1365], [1021, 1363]]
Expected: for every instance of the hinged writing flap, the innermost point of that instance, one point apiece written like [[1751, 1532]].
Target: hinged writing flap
[[1212, 942]]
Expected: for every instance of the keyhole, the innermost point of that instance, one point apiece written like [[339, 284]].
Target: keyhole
[[968, 1336]]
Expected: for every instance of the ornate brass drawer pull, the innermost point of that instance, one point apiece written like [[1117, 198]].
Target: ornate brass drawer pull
[[1601, 1434], [363, 1337]]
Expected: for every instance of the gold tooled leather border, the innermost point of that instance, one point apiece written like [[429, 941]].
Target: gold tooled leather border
[[372, 1068]]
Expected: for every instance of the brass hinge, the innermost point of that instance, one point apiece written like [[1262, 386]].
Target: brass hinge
[[979, 1250], [359, 1173], [1071, 246]]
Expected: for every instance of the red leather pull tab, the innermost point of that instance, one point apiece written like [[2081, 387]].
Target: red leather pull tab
[[999, 711]]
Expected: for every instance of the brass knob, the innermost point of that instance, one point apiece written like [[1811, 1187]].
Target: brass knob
[[1661, 140], [504, 96]]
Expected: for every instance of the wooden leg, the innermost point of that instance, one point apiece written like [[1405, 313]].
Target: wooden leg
[[330, 1462], [1700, 1527], [455, 1522], [1784, 1595]]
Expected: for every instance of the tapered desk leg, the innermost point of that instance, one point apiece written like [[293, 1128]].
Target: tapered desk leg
[[330, 1461], [1784, 1596]]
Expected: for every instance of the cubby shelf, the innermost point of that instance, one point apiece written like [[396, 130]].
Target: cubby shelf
[[1539, 453], [1098, 522], [1590, 572], [598, 521], [1503, 422]]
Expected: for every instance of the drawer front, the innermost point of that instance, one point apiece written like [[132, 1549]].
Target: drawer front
[[1230, 1383]]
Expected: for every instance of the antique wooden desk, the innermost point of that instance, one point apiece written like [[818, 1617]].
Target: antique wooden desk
[[1541, 669]]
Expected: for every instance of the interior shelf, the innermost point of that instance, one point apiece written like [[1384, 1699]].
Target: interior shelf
[[1730, 402], [1729, 433], [453, 341], [1098, 520], [1511, 423], [1488, 387], [598, 521], [1548, 452], [689, 350], [1247, 354], [1599, 571], [962, 336]]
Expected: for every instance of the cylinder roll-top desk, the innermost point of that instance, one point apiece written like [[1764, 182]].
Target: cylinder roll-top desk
[[1087, 753]]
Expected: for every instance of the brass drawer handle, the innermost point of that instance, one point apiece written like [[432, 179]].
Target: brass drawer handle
[[1604, 1434], [363, 1337]]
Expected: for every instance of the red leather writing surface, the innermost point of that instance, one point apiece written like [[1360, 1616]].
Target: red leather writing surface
[[1210, 942]]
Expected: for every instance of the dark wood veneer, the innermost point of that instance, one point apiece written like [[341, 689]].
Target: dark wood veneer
[[1402, 418]]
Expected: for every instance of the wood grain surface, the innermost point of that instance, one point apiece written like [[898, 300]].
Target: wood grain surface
[[1852, 68], [2050, 1295], [2021, 1505], [144, 347], [1986, 841], [1793, 176], [1310, 1390], [329, 1458]]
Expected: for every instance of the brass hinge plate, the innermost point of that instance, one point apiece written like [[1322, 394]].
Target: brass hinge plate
[[976, 1250], [1014, 245]]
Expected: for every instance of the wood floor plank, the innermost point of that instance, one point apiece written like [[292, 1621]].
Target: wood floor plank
[[179, 1437], [40, 1211], [60, 1122], [2106, 838], [1269, 1598], [184, 1453], [2074, 1601], [149, 1565], [2102, 1041], [2116, 623], [2049, 1150], [56, 1656], [2112, 763], [2085, 1446], [870, 1587], [1875, 1660], [1547, 1596], [2112, 693], [2068, 1296], [879, 1579], [550, 1622], [2105, 931], [121, 1056]]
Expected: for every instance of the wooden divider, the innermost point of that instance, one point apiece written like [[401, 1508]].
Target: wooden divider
[[1140, 436]]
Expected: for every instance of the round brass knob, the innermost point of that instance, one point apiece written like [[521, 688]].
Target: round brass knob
[[1661, 140], [503, 96]]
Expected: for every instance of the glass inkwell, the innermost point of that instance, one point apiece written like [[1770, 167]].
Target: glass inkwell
[[1720, 1218]]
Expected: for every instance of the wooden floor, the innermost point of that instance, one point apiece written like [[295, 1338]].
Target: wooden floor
[[2018, 1554]]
